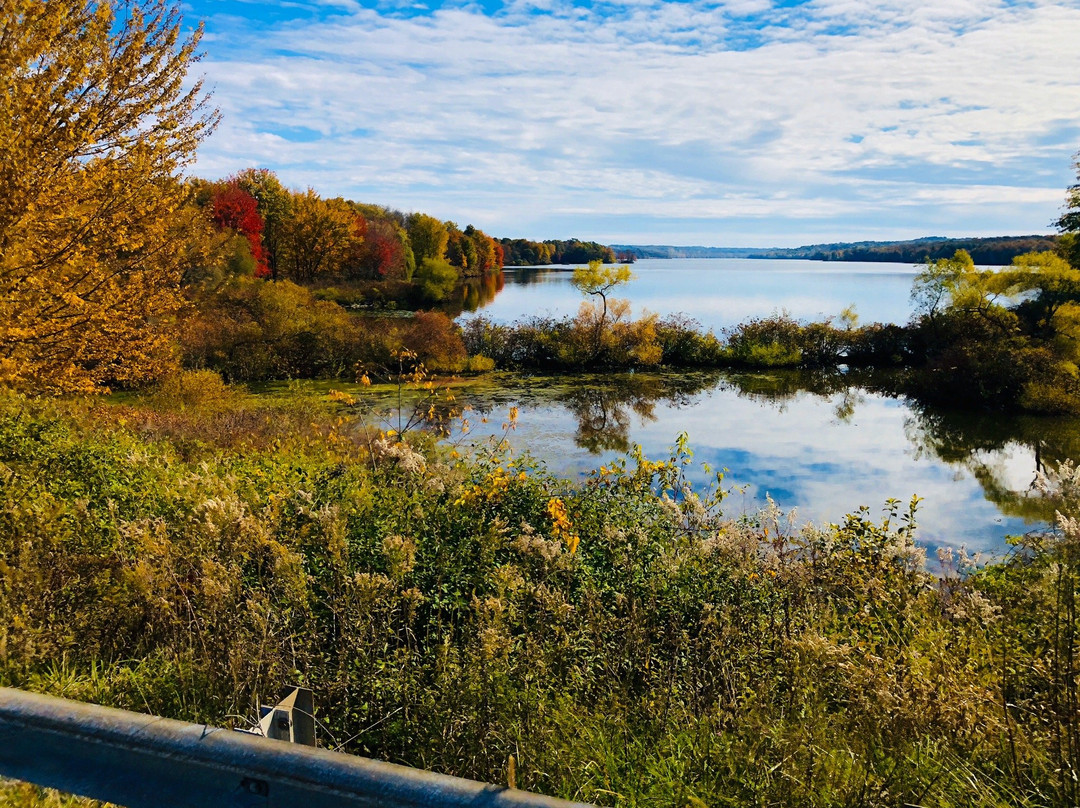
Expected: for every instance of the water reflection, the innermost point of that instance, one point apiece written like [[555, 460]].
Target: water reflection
[[825, 443], [822, 442], [473, 294], [603, 406], [977, 441]]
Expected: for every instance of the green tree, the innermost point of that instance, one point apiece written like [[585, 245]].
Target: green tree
[[1044, 281], [427, 236], [275, 207], [1069, 223], [97, 119], [941, 282], [437, 278]]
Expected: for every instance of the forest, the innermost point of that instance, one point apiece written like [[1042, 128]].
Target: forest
[[986, 251], [176, 541]]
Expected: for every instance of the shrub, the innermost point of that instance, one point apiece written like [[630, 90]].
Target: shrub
[[437, 279], [684, 344], [769, 342], [193, 389], [435, 339]]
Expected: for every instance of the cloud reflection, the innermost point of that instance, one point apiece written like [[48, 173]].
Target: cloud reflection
[[806, 441]]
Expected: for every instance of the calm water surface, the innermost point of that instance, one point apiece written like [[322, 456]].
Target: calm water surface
[[815, 443], [722, 292], [823, 444]]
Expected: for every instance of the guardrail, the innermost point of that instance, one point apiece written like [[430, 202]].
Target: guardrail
[[143, 761]]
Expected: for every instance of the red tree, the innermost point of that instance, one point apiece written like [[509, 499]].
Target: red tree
[[232, 206], [384, 250]]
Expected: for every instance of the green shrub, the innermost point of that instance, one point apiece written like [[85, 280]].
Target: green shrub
[[479, 364], [199, 389], [768, 342], [437, 279], [684, 344]]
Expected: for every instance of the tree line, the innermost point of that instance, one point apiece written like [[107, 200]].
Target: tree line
[[989, 251], [303, 237], [521, 252]]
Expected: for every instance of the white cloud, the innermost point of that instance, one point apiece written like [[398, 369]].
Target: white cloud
[[665, 109]]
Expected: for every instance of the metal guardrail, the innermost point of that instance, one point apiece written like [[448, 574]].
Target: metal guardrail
[[143, 761]]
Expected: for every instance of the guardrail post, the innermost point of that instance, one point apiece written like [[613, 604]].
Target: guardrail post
[[291, 719]]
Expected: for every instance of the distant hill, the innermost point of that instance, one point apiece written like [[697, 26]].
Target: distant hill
[[997, 250], [664, 251]]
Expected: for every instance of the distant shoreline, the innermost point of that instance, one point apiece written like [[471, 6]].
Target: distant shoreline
[[996, 250]]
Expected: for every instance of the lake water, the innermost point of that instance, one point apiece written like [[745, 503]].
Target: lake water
[[721, 292], [823, 444], [811, 443]]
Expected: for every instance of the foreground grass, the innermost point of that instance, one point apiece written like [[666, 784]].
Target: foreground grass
[[186, 553]]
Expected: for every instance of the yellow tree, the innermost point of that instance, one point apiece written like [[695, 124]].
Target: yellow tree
[[598, 279], [96, 123], [427, 236], [610, 334], [316, 237]]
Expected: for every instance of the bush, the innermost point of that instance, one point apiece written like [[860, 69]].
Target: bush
[[435, 339], [436, 278], [252, 330], [193, 389], [684, 344], [766, 342], [879, 345]]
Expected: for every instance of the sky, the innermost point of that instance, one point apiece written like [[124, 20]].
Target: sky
[[718, 123]]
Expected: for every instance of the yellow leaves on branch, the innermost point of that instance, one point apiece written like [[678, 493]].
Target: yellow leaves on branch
[[95, 125]]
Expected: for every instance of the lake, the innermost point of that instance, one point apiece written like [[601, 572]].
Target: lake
[[822, 443], [719, 292]]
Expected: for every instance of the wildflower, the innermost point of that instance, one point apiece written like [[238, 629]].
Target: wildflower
[[561, 525], [400, 554]]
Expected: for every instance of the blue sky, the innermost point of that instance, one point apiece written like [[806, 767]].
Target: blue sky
[[736, 123]]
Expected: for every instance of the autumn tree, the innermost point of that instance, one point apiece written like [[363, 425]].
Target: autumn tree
[[386, 253], [522, 252], [274, 206], [607, 331], [234, 208], [97, 119], [483, 251], [473, 251], [317, 237], [598, 280]]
